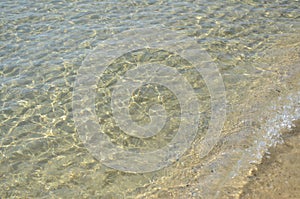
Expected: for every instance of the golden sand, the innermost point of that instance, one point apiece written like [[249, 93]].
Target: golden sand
[[278, 176]]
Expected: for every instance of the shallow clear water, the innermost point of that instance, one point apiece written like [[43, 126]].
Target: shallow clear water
[[255, 45]]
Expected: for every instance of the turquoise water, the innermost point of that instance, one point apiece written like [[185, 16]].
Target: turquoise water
[[44, 45]]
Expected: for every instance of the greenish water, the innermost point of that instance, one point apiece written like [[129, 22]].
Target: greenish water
[[255, 45]]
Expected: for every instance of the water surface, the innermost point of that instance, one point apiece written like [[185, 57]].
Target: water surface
[[255, 45]]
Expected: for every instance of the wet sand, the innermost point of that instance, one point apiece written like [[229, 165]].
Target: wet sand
[[278, 176]]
